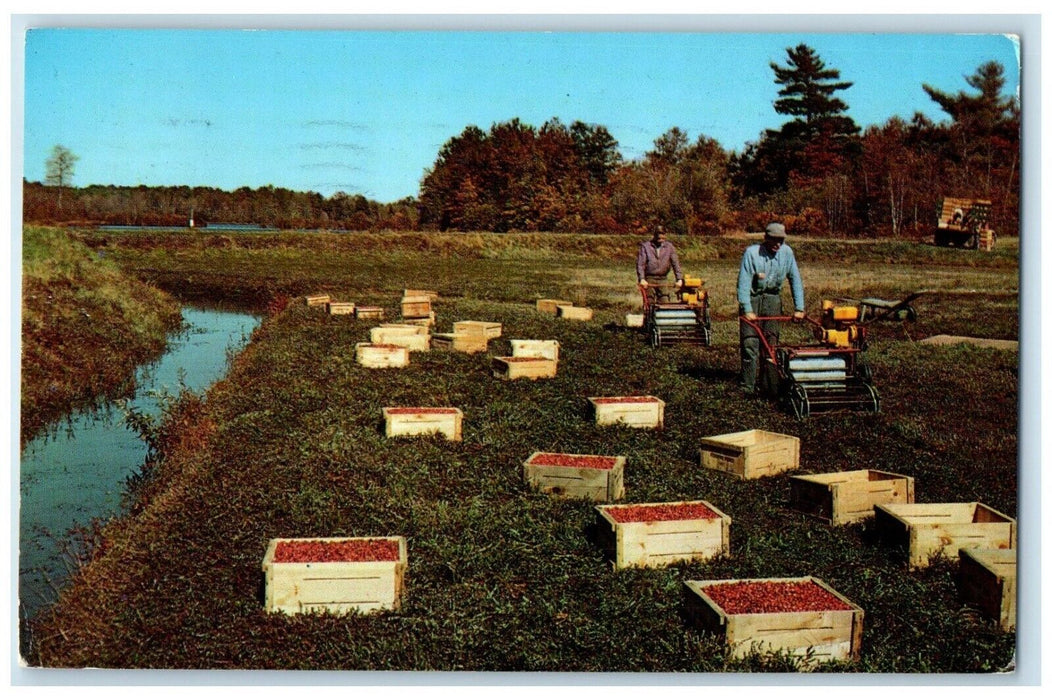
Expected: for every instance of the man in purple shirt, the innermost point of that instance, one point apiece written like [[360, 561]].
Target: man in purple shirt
[[656, 257]]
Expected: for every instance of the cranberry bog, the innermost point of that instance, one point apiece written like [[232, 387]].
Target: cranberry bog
[[499, 576]]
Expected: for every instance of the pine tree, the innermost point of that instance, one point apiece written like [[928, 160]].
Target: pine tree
[[808, 95]]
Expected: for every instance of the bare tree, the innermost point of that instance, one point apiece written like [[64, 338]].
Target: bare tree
[[60, 168]]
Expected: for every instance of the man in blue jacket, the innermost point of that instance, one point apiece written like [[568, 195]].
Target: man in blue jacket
[[764, 268]]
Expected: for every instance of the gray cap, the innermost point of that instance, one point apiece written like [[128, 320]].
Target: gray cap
[[775, 230]]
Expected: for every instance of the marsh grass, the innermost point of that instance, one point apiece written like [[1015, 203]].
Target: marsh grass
[[500, 578], [86, 325]]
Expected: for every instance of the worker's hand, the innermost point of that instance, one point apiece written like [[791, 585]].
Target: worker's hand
[[750, 315], [679, 283], [643, 284], [798, 315]]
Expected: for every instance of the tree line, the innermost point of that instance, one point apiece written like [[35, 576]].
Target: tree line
[[819, 172]]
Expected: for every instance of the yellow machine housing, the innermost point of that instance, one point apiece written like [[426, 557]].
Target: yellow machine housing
[[692, 292], [840, 325]]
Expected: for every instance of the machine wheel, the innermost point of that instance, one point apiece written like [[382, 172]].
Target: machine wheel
[[865, 373], [907, 314], [797, 397]]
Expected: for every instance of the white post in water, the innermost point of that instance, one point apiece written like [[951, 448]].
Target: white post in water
[[191, 217]]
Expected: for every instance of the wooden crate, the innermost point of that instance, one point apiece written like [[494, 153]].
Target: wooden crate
[[381, 356], [751, 454], [524, 367], [407, 338], [340, 308], [634, 320], [369, 312], [416, 307], [814, 636], [574, 313], [460, 342], [986, 580], [535, 348], [847, 497], [551, 306], [667, 539], [424, 321], [929, 529], [402, 421], [406, 328], [633, 411], [487, 328], [565, 475], [318, 299], [333, 586], [430, 294]]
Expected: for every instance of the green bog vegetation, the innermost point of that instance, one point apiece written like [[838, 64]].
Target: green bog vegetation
[[500, 577]]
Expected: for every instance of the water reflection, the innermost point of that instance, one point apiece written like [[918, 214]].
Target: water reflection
[[76, 472]]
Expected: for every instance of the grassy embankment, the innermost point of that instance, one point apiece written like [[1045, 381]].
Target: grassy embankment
[[291, 444], [85, 327]]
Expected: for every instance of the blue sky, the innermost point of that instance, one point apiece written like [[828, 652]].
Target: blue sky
[[365, 112]]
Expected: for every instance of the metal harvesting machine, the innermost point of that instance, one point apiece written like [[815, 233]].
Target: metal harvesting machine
[[828, 375], [686, 320]]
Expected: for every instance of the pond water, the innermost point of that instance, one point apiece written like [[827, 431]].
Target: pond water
[[76, 474]]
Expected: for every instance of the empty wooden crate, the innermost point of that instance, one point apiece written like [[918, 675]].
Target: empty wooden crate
[[847, 497], [535, 348], [551, 306], [334, 574], [416, 307], [368, 312], [986, 580], [801, 616], [460, 342], [751, 454], [423, 420], [408, 337], [925, 530], [523, 367], [657, 534], [588, 477], [318, 299], [340, 308], [377, 356], [486, 328], [574, 313], [632, 411]]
